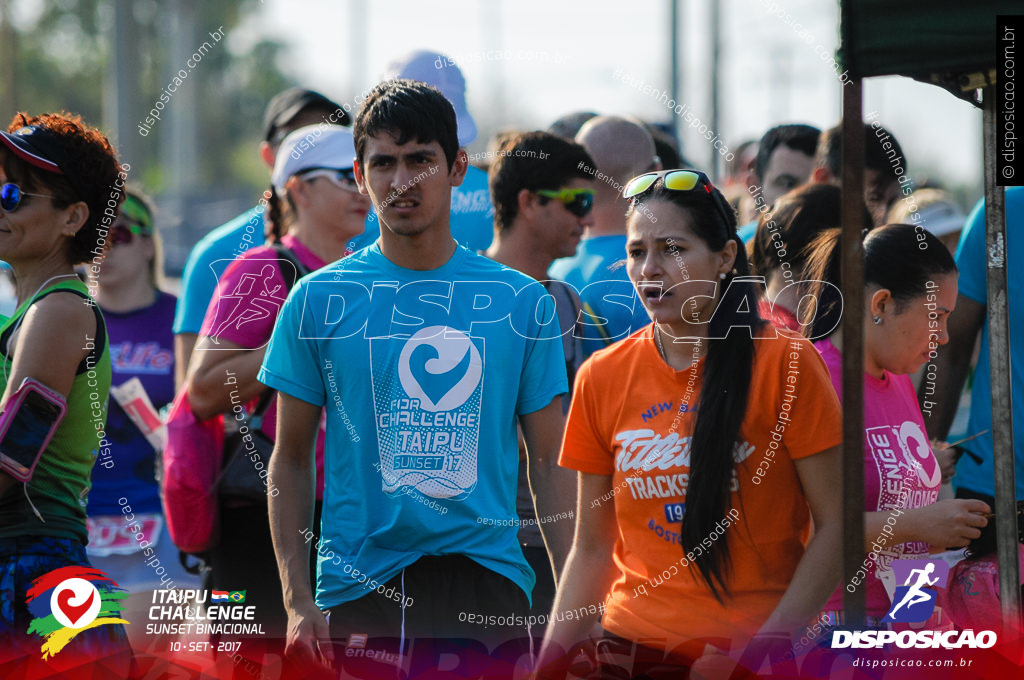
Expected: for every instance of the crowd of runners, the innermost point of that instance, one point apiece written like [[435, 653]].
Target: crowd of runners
[[583, 399]]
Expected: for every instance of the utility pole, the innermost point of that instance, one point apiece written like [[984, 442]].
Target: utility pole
[[8, 59]]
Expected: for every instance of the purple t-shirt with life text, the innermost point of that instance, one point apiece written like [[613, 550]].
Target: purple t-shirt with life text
[[141, 346]]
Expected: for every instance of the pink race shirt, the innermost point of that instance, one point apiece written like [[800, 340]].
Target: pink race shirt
[[244, 309], [900, 470]]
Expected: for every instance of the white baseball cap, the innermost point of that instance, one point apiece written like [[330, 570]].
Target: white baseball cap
[[313, 146]]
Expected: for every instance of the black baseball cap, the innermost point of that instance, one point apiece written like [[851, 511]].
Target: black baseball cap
[[286, 105], [42, 148]]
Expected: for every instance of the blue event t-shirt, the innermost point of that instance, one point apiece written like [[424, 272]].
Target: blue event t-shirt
[[472, 215], [971, 260], [142, 346], [208, 260], [422, 454], [598, 273]]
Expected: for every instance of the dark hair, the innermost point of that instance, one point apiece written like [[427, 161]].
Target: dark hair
[[985, 544], [280, 214], [665, 147], [94, 165], [725, 385], [409, 110], [802, 138], [829, 154], [784, 232], [901, 258], [533, 160]]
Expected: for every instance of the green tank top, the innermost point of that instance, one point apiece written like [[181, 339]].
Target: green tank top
[[59, 488]]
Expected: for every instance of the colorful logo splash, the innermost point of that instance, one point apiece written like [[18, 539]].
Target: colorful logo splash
[[70, 600]]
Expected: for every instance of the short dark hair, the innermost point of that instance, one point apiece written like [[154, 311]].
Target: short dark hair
[[793, 222], [533, 160], [92, 162], [408, 109], [802, 138], [829, 154]]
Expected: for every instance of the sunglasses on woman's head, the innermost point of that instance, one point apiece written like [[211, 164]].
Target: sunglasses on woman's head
[[577, 201], [11, 195], [344, 178], [679, 180]]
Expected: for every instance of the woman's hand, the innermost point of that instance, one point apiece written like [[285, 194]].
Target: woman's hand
[[950, 523]]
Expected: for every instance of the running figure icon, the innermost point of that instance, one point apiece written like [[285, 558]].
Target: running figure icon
[[916, 594], [914, 601]]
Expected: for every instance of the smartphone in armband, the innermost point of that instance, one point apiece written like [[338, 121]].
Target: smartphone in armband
[[27, 424]]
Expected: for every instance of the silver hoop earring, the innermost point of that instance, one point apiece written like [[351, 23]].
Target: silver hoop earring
[[877, 320]]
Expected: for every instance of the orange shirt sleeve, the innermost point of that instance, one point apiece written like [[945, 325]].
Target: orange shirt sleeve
[[585, 446], [817, 422]]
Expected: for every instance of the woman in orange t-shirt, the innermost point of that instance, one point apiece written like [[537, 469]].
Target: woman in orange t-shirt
[[690, 550]]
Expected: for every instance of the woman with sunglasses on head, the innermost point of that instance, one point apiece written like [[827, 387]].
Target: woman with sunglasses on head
[[139, 319], [60, 185], [316, 209], [699, 468], [910, 288]]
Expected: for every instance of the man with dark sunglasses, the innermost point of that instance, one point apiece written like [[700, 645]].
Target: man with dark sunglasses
[[621, 149], [543, 201]]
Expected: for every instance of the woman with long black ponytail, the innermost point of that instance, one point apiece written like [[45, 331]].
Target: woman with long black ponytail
[[705, 442]]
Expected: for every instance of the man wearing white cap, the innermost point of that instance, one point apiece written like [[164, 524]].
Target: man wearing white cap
[[316, 208], [472, 212]]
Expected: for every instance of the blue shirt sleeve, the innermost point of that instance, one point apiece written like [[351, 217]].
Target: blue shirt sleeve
[[292, 363], [970, 256], [207, 261], [543, 375]]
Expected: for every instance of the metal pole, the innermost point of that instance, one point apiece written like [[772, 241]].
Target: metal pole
[[853, 349], [716, 75], [999, 356], [673, 41], [122, 85], [9, 60]]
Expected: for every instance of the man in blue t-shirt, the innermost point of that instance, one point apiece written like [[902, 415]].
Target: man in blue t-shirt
[[424, 356], [975, 476], [621, 149], [288, 110]]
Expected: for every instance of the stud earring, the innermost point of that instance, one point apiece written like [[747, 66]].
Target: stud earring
[[721, 275], [877, 320]]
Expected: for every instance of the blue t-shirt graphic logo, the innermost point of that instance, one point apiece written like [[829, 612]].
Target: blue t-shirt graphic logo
[[914, 601], [429, 443]]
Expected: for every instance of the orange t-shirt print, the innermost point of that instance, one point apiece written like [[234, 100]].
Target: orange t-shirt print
[[625, 404]]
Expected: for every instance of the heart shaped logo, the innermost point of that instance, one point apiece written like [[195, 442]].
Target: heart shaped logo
[[74, 612], [436, 383], [441, 367]]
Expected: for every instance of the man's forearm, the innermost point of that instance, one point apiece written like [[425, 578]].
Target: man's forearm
[[291, 514], [556, 509]]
